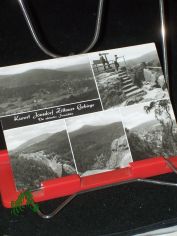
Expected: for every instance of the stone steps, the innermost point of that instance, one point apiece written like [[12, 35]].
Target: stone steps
[[122, 73], [133, 93], [131, 89], [128, 81], [124, 78], [128, 85]]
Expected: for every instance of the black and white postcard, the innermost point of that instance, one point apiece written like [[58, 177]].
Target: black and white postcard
[[85, 114], [127, 76]]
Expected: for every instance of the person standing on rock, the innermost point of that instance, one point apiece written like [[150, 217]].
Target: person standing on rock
[[103, 61], [116, 64]]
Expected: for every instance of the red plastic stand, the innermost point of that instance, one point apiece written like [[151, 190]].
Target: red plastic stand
[[69, 185]]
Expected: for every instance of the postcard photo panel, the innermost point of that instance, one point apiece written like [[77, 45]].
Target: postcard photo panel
[[39, 152], [151, 129], [99, 142], [45, 84], [130, 75]]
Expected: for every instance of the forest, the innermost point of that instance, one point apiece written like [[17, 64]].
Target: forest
[[41, 88]]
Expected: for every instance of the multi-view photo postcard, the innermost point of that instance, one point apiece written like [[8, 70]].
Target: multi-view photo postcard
[[85, 114]]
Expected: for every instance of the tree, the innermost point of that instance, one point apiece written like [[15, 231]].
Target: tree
[[162, 114]]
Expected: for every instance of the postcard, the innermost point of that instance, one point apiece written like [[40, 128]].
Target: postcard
[[85, 114]]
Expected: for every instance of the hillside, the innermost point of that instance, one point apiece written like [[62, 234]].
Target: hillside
[[148, 57], [31, 142], [41, 76], [91, 141], [57, 143], [146, 126]]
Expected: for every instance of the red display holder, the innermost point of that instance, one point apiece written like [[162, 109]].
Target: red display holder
[[73, 184]]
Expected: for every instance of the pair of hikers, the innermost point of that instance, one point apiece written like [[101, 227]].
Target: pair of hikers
[[106, 62]]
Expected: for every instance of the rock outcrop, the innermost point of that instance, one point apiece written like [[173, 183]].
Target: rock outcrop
[[120, 154]]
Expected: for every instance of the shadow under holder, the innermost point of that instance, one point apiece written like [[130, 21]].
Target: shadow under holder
[[165, 161]]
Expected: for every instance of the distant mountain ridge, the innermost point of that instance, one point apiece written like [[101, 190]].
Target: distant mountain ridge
[[56, 143], [32, 142], [148, 57], [40, 76], [87, 129]]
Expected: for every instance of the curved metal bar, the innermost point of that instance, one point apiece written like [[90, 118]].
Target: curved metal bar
[[44, 48], [157, 182], [164, 40], [58, 209]]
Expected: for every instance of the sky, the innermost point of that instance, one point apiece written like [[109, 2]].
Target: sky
[[16, 137], [46, 64], [136, 115], [127, 52], [94, 119], [64, 62]]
